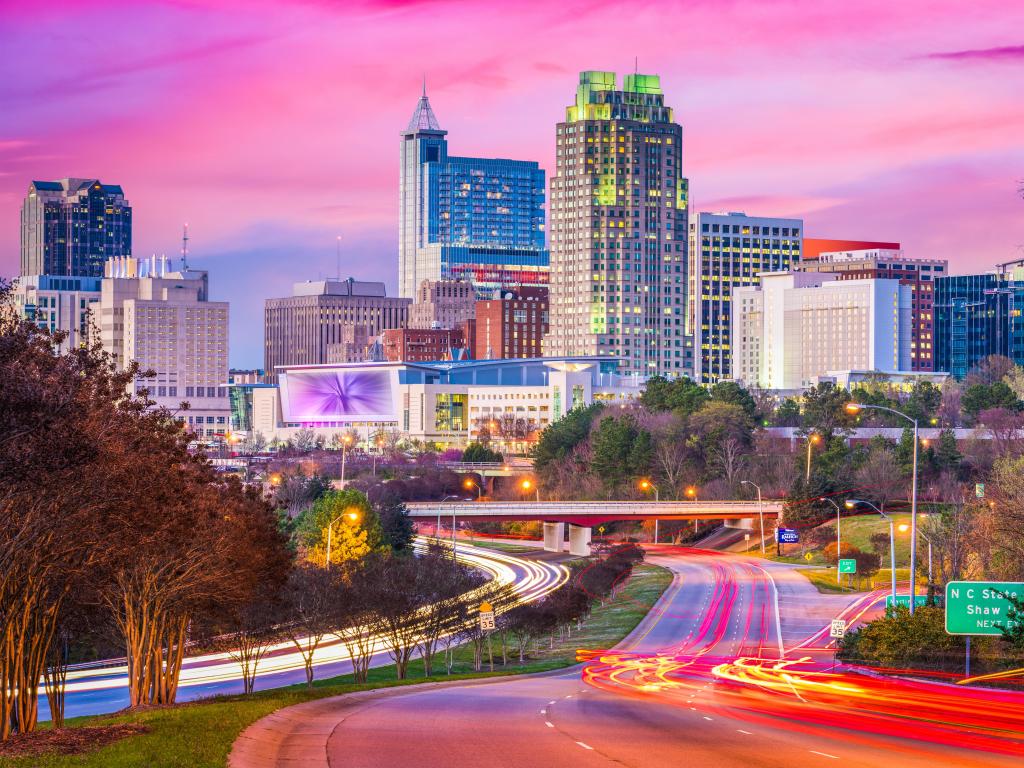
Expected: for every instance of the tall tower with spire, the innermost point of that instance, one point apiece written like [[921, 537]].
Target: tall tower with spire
[[466, 218]]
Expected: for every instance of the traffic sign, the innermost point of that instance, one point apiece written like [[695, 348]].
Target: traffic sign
[[979, 607], [979, 490], [838, 629], [808, 556], [787, 535], [904, 600], [486, 617], [847, 565]]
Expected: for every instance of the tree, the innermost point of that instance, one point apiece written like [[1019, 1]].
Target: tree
[[680, 395], [477, 452], [879, 479], [621, 450], [562, 436], [825, 409], [255, 442], [348, 517], [982, 397], [310, 600], [947, 454], [396, 526], [306, 440], [253, 632], [788, 413], [733, 393]]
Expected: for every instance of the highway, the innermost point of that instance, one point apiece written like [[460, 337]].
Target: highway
[[699, 683], [100, 689]]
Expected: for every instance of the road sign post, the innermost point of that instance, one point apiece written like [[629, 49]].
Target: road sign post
[[786, 536], [847, 565], [837, 631], [486, 617]]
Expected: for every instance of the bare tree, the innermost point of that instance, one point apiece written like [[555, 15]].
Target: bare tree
[[310, 597]]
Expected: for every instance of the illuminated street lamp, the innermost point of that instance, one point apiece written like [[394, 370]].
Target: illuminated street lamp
[[760, 509], [839, 540], [647, 485], [275, 479], [346, 441], [855, 408], [853, 504], [812, 439], [352, 516], [691, 494], [527, 484], [380, 449], [469, 483], [903, 528]]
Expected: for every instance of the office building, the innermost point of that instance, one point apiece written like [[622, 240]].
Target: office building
[[794, 328], [977, 316], [423, 345], [59, 303], [72, 226], [298, 329], [447, 403], [442, 304], [890, 264], [618, 228], [729, 251], [164, 320], [813, 247], [466, 218], [511, 325]]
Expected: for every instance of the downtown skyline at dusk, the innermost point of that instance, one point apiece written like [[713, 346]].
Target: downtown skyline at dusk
[[272, 128]]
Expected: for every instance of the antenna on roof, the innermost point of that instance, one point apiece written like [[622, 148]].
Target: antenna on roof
[[338, 261], [424, 85], [636, 65], [184, 247]]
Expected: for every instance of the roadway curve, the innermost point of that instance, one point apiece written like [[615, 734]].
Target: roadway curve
[[100, 688], [694, 685]]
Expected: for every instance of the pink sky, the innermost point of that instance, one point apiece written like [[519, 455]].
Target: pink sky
[[271, 127]]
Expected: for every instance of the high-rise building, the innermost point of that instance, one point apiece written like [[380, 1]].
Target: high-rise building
[[977, 316], [511, 325], [442, 304], [729, 251], [469, 218], [618, 228], [891, 264], [72, 226], [299, 328], [795, 328], [59, 304], [164, 320]]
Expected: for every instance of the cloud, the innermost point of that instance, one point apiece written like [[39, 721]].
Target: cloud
[[1000, 53]]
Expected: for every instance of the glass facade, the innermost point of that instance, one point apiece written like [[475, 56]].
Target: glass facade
[[467, 217], [977, 316]]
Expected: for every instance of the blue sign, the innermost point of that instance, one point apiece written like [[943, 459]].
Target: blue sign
[[787, 535]]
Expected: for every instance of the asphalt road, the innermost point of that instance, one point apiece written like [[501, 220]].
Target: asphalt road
[[698, 684], [98, 690]]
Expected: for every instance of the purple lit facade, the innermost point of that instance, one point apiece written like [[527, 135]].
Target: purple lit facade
[[330, 395]]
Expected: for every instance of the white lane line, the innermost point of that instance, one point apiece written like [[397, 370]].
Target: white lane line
[[740, 730], [551, 702], [707, 718], [585, 746], [549, 724], [543, 711], [823, 754], [569, 696]]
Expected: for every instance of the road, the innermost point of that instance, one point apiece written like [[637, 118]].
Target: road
[[102, 689], [698, 684]]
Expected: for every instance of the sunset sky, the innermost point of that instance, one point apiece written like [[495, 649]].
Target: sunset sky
[[272, 127]]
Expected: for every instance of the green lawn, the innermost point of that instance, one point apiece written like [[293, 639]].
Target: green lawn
[[824, 579], [200, 734], [501, 546]]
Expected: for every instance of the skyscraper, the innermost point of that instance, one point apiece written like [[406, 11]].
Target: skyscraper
[[728, 251], [618, 228], [72, 226], [468, 218]]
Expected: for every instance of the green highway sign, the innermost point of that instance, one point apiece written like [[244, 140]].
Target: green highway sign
[[848, 565], [978, 607], [904, 600]]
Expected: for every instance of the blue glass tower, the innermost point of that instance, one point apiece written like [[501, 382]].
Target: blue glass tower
[[471, 218]]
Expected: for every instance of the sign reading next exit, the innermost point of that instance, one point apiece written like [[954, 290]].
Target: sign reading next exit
[[979, 607]]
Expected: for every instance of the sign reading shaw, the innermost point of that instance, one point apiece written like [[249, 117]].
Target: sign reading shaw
[[979, 607]]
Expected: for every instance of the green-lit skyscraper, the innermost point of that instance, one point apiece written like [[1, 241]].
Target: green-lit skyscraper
[[618, 229]]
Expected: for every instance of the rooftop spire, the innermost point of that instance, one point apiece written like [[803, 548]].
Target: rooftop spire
[[423, 119]]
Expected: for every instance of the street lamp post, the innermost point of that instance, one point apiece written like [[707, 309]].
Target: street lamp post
[[851, 504], [854, 408], [812, 439], [760, 509], [903, 529], [344, 453], [527, 484], [353, 516], [647, 485], [839, 540], [437, 528]]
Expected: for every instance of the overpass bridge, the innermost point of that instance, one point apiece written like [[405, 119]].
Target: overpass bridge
[[583, 515], [489, 469]]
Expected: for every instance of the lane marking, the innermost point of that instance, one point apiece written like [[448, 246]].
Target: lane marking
[[585, 746], [551, 702], [549, 724], [569, 696], [823, 754], [740, 730], [543, 711], [707, 718]]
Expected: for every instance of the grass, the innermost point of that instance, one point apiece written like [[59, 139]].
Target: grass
[[824, 579], [200, 734], [501, 546]]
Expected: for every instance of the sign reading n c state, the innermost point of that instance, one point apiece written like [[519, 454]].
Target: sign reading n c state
[[980, 607]]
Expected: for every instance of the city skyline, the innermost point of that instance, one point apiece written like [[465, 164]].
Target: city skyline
[[871, 122]]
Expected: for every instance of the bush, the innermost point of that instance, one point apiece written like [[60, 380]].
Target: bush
[[477, 452], [899, 640]]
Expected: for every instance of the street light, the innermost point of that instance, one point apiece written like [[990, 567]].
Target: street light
[[453, 522], [839, 541], [760, 509], [527, 484], [352, 516], [380, 446], [852, 504], [855, 408], [647, 485], [903, 528], [275, 479], [469, 483], [346, 440], [691, 494], [812, 439]]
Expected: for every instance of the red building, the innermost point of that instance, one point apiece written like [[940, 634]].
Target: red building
[[423, 345], [512, 325]]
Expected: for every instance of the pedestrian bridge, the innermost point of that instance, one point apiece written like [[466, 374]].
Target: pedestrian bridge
[[583, 515]]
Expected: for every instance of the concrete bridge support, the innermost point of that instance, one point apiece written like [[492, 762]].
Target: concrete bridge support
[[579, 540], [554, 536]]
